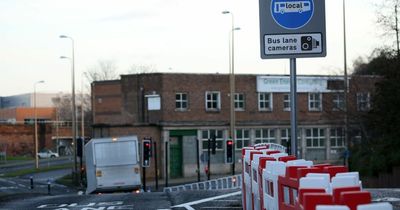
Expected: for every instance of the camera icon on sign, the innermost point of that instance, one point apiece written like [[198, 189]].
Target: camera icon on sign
[[308, 43]]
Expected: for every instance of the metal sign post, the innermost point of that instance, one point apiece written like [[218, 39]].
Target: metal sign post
[[293, 107], [292, 29]]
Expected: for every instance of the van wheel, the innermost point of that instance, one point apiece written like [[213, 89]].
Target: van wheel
[[53, 156]]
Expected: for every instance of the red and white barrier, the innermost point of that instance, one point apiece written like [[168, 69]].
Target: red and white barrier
[[375, 206], [273, 180]]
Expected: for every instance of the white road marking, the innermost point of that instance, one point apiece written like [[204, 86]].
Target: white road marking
[[386, 199], [8, 188], [219, 207], [189, 204], [227, 200], [11, 182]]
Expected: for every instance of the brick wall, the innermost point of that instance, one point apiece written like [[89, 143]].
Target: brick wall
[[123, 102], [106, 102], [20, 139]]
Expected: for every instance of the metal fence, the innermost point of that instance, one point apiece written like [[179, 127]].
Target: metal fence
[[230, 182]]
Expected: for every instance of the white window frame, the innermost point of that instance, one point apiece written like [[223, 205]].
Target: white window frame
[[207, 134], [312, 102], [218, 100], [266, 135], [334, 138], [286, 101], [242, 138], [237, 102], [181, 101], [317, 141], [265, 100], [287, 135], [338, 102], [363, 101]]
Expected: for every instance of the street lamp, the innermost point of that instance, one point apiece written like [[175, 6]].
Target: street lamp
[[346, 86], [36, 133], [73, 98], [232, 81]]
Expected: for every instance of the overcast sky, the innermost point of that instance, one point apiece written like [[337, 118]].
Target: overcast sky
[[172, 35]]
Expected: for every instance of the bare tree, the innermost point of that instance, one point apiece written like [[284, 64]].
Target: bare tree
[[387, 13], [103, 70], [63, 105], [142, 69]]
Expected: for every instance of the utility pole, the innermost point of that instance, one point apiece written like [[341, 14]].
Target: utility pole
[[397, 30], [346, 88]]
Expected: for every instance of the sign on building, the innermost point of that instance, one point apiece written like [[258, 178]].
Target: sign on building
[[305, 84], [292, 28], [153, 102]]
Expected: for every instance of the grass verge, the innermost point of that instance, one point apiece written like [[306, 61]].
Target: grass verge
[[11, 159], [39, 170]]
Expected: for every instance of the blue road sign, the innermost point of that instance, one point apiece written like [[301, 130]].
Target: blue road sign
[[292, 14]]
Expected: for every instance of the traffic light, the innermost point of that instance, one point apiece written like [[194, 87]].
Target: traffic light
[[213, 144], [146, 153], [229, 152]]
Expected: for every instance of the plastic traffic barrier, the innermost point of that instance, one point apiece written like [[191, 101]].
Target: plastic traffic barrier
[[262, 165], [338, 190], [244, 150], [308, 190], [255, 180], [354, 198], [249, 154], [311, 200], [271, 174], [330, 207], [375, 206]]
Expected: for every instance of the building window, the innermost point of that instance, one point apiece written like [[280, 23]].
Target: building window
[[286, 102], [265, 136], [338, 102], [315, 102], [337, 137], [181, 101], [242, 138], [363, 101], [315, 137], [213, 100], [209, 134], [265, 101], [285, 137], [239, 101]]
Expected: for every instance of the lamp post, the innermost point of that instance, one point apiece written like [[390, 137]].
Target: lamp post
[[73, 99], [346, 87], [36, 133], [82, 112], [232, 82]]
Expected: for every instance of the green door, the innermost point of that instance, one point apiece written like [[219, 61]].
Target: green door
[[175, 156]]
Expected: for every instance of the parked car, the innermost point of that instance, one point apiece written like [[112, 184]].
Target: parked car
[[46, 153]]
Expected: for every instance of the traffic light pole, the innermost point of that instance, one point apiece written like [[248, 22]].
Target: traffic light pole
[[166, 164], [144, 178], [155, 164], [208, 159], [198, 160]]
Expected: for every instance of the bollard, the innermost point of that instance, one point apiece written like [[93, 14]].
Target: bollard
[[31, 178], [48, 187]]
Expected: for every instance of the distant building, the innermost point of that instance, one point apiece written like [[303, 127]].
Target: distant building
[[19, 108], [177, 110], [17, 117]]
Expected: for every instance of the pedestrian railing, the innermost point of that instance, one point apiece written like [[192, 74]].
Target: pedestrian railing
[[224, 183]]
